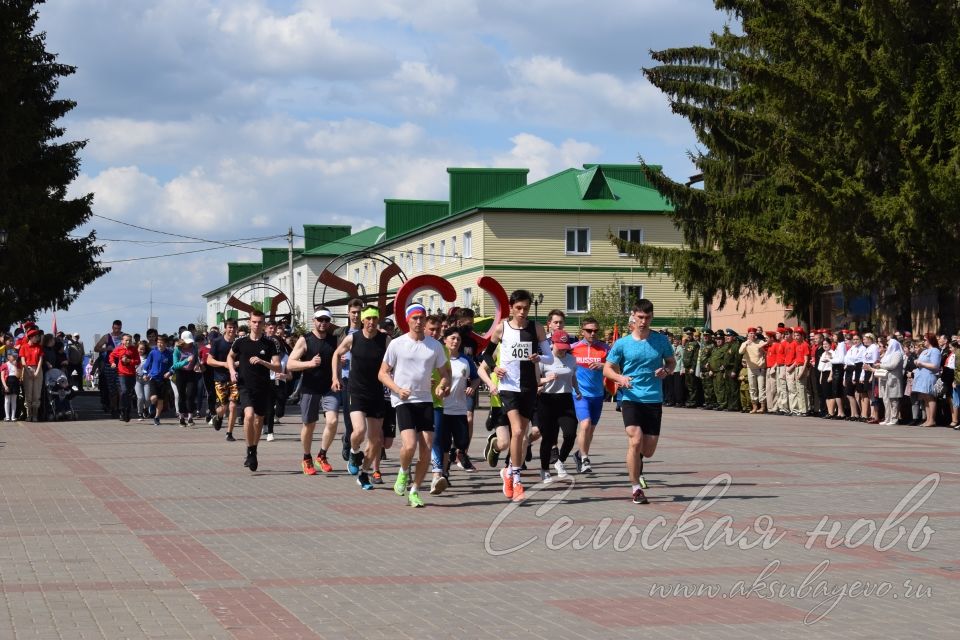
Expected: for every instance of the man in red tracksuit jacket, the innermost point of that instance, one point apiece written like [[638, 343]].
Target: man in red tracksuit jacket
[[125, 359]]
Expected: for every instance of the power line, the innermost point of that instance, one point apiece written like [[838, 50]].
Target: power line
[[175, 241], [179, 253], [178, 235]]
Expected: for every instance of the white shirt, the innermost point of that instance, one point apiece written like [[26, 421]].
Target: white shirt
[[462, 373], [854, 355], [839, 353], [413, 362], [565, 368], [826, 360], [872, 354]]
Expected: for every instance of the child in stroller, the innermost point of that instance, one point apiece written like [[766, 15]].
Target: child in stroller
[[60, 394]]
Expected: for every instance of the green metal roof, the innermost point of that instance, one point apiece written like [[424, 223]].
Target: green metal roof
[[354, 242], [580, 190], [402, 216], [471, 186]]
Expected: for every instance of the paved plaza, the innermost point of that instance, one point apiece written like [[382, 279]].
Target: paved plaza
[[134, 531]]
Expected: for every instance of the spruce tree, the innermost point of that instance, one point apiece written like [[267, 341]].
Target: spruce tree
[[43, 264]]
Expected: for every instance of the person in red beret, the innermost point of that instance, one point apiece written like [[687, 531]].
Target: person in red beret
[[772, 353], [31, 362], [802, 361]]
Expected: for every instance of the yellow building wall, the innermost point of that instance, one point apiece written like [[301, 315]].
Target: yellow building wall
[[510, 246]]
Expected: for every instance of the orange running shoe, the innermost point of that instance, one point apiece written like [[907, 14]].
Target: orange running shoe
[[507, 482], [308, 469], [323, 464], [518, 492]]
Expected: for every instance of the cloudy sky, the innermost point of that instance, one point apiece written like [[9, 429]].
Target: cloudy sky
[[225, 119]]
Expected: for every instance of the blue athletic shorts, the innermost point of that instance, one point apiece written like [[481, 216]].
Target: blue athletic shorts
[[589, 407]]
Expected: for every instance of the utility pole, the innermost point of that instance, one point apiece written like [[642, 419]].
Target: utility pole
[[293, 295]]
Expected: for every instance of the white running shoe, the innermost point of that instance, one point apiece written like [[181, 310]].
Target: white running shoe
[[545, 477], [561, 470], [269, 437]]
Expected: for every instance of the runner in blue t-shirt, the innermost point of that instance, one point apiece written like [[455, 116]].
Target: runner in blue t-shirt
[[639, 362]]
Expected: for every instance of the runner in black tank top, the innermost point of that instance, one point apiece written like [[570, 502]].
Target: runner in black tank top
[[312, 356], [522, 344], [367, 348]]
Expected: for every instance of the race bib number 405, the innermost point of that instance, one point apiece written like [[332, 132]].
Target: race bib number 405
[[521, 350]]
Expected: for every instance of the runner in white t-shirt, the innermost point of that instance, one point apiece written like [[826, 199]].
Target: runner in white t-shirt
[[406, 370]]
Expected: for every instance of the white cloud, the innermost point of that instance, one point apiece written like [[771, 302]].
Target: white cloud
[[259, 39], [544, 158]]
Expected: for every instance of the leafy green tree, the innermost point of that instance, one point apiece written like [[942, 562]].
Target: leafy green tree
[[829, 134], [42, 265]]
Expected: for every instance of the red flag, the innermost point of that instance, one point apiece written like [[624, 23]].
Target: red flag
[[609, 384], [54, 323]]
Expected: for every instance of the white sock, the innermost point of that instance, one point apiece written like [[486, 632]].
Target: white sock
[[354, 451], [415, 488], [636, 486]]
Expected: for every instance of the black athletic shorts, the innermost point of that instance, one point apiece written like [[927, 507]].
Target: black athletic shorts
[[415, 415], [159, 387], [523, 401], [497, 417], [646, 415], [389, 421], [259, 400], [372, 407]]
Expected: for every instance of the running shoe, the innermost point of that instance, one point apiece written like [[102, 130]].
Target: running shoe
[[364, 481], [307, 466], [190, 421], [270, 437], [490, 452], [156, 422], [579, 460], [518, 495], [585, 466], [400, 486], [507, 482], [438, 485], [377, 477], [323, 464], [217, 423], [545, 477], [561, 470], [554, 455], [643, 482], [346, 451], [414, 499], [251, 461], [183, 421], [229, 437], [639, 498], [465, 462], [353, 464]]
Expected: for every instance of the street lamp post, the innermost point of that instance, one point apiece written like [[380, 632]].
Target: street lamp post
[[537, 300], [3, 238]]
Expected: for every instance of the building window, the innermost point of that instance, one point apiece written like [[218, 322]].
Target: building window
[[578, 298], [433, 255], [356, 275], [578, 241], [453, 247], [630, 293], [299, 277], [433, 303], [419, 259], [443, 252], [468, 244], [468, 297], [366, 274], [631, 235]]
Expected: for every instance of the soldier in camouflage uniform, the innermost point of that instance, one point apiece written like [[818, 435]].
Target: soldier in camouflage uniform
[[691, 350], [731, 367], [718, 358], [705, 375]]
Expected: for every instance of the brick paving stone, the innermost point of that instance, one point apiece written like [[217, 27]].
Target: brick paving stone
[[112, 530]]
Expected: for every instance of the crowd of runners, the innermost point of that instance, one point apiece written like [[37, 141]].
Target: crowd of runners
[[547, 390]]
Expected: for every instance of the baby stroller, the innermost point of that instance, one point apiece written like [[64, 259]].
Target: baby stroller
[[59, 396]]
